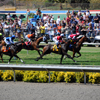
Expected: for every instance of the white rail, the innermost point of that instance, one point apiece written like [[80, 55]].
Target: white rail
[[74, 68]]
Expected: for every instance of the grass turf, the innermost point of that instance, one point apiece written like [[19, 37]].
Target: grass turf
[[90, 56]]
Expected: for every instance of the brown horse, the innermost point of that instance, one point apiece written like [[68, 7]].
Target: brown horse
[[76, 48], [12, 51], [62, 51], [34, 45]]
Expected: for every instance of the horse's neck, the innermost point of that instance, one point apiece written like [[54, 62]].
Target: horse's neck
[[39, 40], [79, 43]]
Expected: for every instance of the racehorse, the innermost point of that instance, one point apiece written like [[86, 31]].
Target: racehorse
[[12, 50], [34, 45], [62, 51], [76, 48]]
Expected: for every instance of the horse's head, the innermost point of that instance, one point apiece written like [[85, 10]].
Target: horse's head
[[86, 39]]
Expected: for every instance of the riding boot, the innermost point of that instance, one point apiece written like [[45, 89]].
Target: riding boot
[[57, 46], [7, 47]]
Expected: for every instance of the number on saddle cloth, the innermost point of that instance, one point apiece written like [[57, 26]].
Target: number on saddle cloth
[[55, 48]]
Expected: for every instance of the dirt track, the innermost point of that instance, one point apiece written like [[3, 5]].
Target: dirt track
[[48, 91]]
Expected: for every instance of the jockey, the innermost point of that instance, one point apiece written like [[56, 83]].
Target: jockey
[[29, 36], [73, 37], [58, 39], [9, 40]]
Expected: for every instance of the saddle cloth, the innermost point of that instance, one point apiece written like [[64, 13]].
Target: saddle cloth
[[55, 48], [4, 49]]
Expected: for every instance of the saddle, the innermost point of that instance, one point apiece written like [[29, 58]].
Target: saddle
[[55, 48], [4, 49], [28, 43]]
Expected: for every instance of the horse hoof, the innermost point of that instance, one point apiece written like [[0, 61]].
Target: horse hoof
[[23, 62], [75, 61], [36, 59]]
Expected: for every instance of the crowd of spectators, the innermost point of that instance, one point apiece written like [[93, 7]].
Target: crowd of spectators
[[46, 24]]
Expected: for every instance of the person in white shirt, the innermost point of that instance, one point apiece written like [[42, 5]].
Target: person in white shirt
[[8, 16], [58, 20], [79, 12], [87, 13], [6, 29]]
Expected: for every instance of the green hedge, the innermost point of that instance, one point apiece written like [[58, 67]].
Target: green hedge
[[55, 76]]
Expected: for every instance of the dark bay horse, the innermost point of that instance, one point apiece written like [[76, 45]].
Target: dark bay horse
[[34, 45], [76, 48], [62, 51], [12, 50]]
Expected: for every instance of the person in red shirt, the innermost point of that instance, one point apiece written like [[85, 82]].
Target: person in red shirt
[[77, 28], [58, 39], [68, 19]]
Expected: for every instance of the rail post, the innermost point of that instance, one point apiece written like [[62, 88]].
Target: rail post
[[84, 77], [14, 76]]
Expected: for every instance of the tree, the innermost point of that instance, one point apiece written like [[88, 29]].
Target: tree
[[60, 1], [82, 3]]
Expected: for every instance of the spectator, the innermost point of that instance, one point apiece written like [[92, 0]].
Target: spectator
[[59, 28], [96, 20], [73, 28], [84, 16], [42, 29], [33, 29], [11, 27], [38, 30], [17, 31], [68, 19], [58, 20], [38, 11], [67, 31], [6, 30], [19, 21], [8, 17], [79, 12], [28, 13], [87, 13], [97, 31]]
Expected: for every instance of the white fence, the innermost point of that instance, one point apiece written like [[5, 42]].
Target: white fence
[[74, 68]]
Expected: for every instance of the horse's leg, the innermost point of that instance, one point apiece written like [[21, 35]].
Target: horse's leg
[[1, 57], [74, 54], [19, 59], [79, 54], [10, 59], [45, 51], [64, 53], [61, 59]]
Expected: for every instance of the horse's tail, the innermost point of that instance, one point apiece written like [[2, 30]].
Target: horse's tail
[[41, 46]]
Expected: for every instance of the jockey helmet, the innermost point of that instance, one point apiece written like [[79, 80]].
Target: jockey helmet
[[13, 36], [0, 34], [77, 33], [62, 35]]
